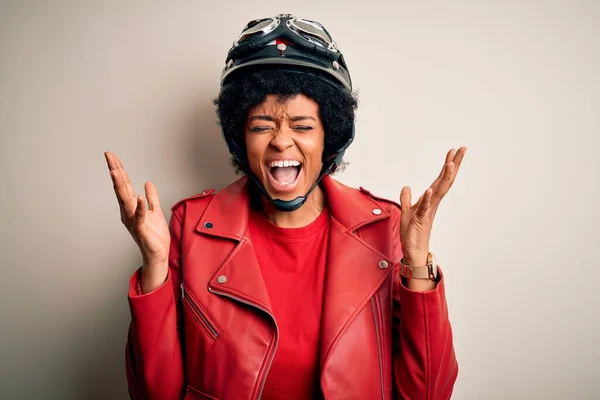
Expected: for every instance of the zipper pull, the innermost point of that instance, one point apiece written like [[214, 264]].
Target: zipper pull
[[182, 291]]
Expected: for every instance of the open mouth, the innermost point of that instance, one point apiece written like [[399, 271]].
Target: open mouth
[[284, 174]]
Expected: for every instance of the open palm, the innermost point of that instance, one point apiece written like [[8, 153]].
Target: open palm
[[148, 227], [417, 220]]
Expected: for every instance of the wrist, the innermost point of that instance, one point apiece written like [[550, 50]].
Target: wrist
[[153, 276], [155, 260], [416, 259], [419, 271]]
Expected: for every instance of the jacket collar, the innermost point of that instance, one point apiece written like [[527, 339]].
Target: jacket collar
[[227, 214]]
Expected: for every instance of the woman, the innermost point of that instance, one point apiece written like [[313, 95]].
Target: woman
[[287, 284]]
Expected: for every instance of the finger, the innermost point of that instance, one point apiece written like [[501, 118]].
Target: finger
[[119, 201], [444, 181], [126, 202], [110, 160], [140, 214], [405, 205], [449, 157], [440, 190], [405, 198], [425, 205], [126, 179], [152, 196], [440, 177], [460, 154]]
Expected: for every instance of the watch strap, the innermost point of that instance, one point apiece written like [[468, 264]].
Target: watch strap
[[418, 272]]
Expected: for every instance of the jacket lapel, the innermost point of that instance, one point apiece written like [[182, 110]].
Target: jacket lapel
[[355, 270], [239, 276]]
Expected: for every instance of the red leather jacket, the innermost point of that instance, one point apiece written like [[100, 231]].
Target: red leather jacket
[[208, 332]]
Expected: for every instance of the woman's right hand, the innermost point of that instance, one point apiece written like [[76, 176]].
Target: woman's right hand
[[148, 227]]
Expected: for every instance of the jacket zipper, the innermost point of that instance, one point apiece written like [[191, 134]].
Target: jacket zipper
[[210, 329], [378, 335], [272, 356]]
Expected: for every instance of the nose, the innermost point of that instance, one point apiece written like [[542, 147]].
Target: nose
[[282, 139]]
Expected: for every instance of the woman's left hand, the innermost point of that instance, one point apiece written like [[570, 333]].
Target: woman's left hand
[[417, 220]]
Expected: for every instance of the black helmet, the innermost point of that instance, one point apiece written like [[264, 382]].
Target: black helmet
[[296, 45]]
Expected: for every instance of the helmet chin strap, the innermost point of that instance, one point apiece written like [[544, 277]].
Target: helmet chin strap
[[293, 205]]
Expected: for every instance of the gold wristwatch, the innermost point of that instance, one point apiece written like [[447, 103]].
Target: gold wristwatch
[[429, 271]]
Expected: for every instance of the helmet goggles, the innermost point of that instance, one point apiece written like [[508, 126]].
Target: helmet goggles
[[290, 41], [308, 30]]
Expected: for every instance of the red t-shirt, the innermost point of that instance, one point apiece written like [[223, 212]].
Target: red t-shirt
[[292, 262]]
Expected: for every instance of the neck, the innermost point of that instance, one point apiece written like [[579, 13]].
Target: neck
[[303, 216]]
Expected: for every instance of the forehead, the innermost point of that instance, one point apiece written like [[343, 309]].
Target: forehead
[[297, 105]]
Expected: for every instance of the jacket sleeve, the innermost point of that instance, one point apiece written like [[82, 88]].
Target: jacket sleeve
[[425, 365], [154, 362]]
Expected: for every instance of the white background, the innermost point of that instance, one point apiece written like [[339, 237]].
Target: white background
[[518, 82]]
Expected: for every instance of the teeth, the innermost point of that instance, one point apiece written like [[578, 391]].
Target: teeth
[[284, 163]]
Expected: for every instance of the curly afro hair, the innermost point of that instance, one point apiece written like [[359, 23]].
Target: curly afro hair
[[242, 91]]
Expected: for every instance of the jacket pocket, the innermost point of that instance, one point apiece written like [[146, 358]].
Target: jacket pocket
[[193, 394], [199, 314]]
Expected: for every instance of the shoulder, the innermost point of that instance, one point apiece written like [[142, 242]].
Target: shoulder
[[196, 205], [199, 199], [352, 200], [388, 205]]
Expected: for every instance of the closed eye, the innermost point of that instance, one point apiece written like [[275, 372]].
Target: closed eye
[[303, 128], [259, 128]]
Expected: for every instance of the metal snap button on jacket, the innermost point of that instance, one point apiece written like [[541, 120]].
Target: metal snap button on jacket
[[376, 211], [222, 279], [383, 264]]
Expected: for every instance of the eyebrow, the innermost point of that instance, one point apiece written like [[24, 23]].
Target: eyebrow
[[269, 118]]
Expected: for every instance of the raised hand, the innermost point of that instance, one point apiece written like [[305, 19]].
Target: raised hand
[[417, 220], [148, 227]]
